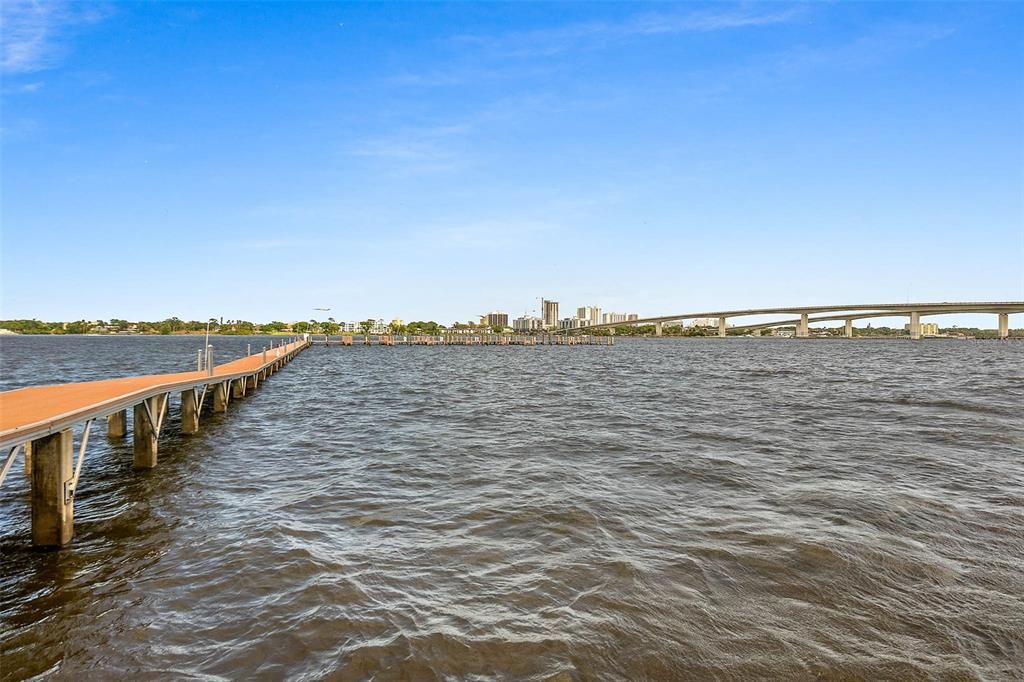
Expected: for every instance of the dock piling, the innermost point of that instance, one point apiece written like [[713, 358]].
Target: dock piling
[[189, 411], [148, 417], [52, 512], [220, 397], [117, 424]]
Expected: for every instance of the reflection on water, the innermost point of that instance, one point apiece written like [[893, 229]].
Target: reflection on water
[[670, 509]]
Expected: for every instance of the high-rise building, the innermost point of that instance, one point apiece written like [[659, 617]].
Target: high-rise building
[[590, 314], [549, 313], [496, 320]]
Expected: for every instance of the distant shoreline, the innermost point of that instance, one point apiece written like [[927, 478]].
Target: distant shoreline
[[8, 332]]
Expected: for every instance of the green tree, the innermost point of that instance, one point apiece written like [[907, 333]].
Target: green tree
[[366, 325]]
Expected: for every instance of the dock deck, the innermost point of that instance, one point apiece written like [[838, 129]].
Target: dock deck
[[34, 411], [40, 420]]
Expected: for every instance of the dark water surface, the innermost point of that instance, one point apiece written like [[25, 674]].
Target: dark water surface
[[678, 509]]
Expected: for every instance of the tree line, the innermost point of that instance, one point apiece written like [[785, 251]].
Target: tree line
[[172, 325]]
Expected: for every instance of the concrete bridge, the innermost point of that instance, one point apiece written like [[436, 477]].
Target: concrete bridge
[[831, 313]]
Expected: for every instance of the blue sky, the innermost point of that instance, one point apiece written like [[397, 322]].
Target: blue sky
[[417, 161]]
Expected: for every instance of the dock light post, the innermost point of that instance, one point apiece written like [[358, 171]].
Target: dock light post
[[207, 349]]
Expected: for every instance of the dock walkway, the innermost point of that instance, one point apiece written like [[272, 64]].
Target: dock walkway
[[39, 420]]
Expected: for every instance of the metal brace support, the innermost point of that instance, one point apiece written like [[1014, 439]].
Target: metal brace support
[[158, 421], [72, 484], [7, 464]]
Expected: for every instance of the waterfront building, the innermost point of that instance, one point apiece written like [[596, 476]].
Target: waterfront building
[[527, 324], [927, 328], [614, 318], [495, 319], [549, 313], [591, 314]]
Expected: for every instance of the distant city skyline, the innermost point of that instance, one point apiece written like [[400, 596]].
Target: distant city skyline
[[438, 161]]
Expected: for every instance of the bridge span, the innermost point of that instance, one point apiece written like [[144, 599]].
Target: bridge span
[[845, 312]]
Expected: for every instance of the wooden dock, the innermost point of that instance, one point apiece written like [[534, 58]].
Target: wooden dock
[[463, 340], [38, 420]]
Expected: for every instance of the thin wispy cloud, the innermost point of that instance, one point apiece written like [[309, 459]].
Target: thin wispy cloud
[[417, 150], [35, 32], [274, 244], [551, 41], [876, 47], [873, 47], [493, 235], [22, 88], [473, 73]]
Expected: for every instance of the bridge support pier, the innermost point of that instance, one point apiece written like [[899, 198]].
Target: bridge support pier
[[848, 329], [721, 327], [802, 331], [1004, 325], [52, 510], [251, 382], [117, 424], [658, 328], [220, 397], [189, 411], [915, 326], [237, 389]]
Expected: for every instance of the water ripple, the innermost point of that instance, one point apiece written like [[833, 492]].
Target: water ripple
[[683, 509]]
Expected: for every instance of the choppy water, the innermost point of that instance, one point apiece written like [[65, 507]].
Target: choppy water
[[664, 510]]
